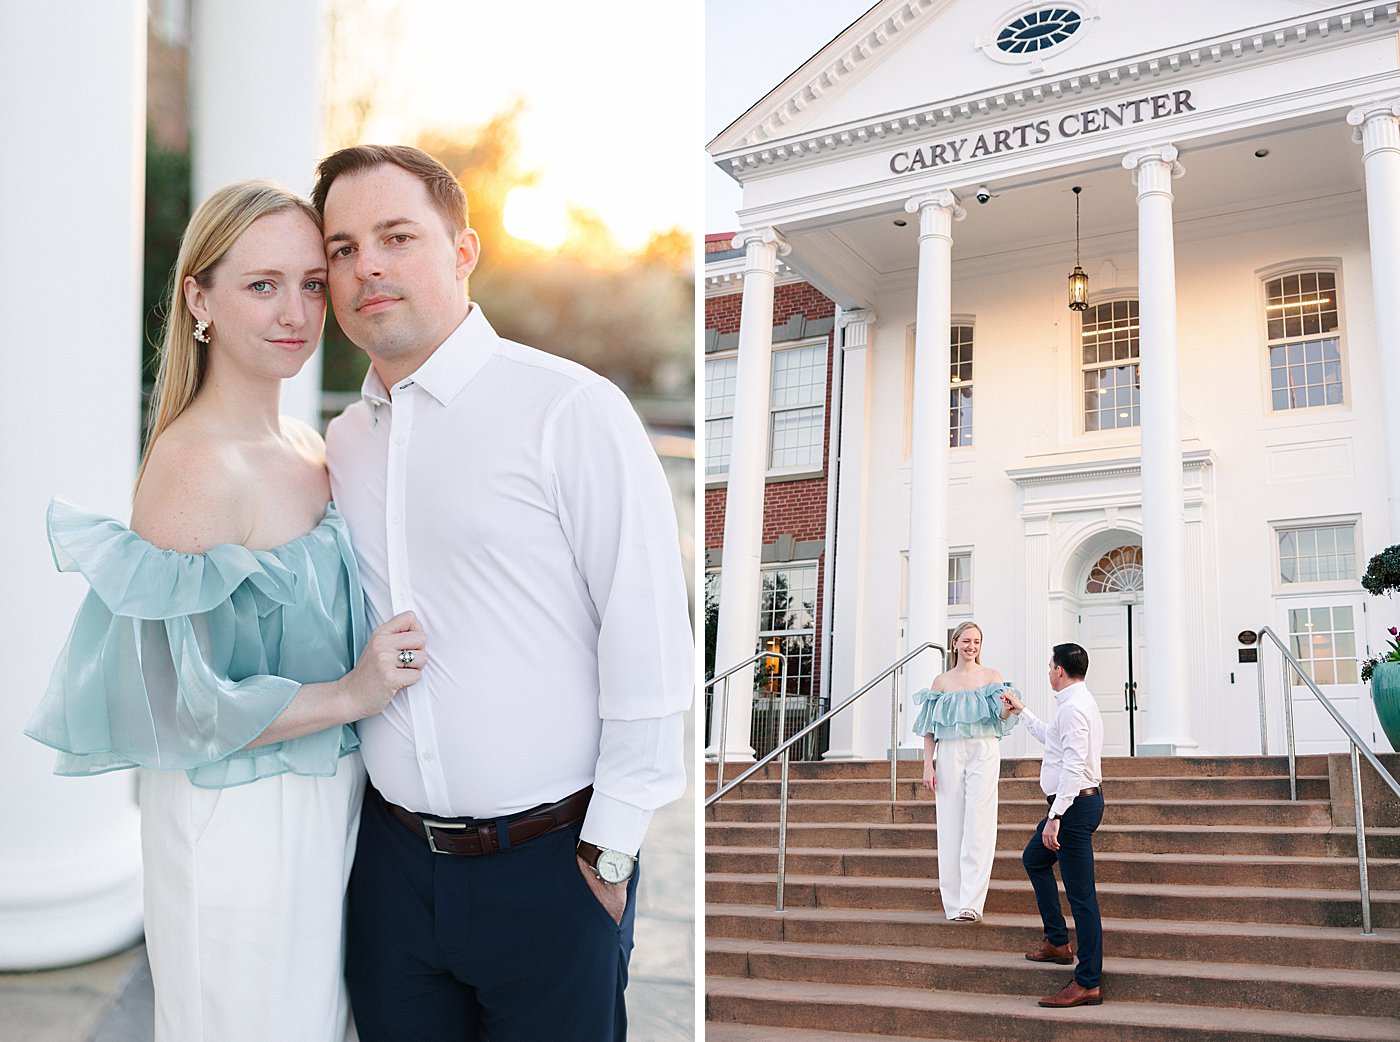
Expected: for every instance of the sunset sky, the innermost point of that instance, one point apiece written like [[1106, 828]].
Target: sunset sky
[[614, 94]]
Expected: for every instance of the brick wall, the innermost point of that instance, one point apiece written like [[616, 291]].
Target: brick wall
[[796, 508]]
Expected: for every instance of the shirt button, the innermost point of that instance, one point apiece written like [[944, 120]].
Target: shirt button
[[428, 756], [401, 439]]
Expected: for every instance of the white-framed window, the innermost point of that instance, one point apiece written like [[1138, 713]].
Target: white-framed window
[[960, 387], [1304, 340], [797, 407], [787, 623], [959, 578], [1323, 640], [1316, 553], [1109, 364], [721, 379]]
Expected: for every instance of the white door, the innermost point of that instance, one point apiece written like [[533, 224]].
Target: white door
[[1103, 632], [1327, 636]]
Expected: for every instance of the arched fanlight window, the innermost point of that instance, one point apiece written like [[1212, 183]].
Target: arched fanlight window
[[1118, 571]]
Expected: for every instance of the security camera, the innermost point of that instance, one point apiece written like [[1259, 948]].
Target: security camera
[[983, 193]]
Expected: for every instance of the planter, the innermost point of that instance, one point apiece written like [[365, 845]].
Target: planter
[[1385, 693]]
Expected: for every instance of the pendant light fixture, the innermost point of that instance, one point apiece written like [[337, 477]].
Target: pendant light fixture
[[1078, 281]]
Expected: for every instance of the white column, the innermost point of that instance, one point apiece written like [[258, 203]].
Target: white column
[[70, 859], [740, 587], [255, 111], [928, 488], [1036, 608], [848, 602], [1165, 690], [1378, 132]]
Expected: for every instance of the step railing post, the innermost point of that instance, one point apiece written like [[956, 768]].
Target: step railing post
[[723, 737], [782, 832], [894, 728], [1263, 710], [1288, 730], [1366, 930]]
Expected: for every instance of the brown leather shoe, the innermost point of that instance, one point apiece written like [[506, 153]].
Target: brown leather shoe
[[1047, 952], [1073, 994]]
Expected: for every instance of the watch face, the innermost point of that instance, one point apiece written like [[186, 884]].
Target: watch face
[[614, 866]]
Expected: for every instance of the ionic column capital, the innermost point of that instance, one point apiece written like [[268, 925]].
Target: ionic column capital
[[855, 329], [1154, 169], [1377, 124], [764, 246], [937, 211]]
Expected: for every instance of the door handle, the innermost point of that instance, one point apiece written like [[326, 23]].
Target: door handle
[[1132, 696], [1127, 697]]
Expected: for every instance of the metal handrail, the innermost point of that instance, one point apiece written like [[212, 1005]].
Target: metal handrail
[[1358, 746], [895, 670], [724, 705]]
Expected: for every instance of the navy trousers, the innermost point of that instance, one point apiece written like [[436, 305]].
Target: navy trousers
[[506, 947], [1076, 859]]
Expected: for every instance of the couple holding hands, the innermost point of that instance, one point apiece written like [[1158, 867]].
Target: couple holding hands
[[963, 715]]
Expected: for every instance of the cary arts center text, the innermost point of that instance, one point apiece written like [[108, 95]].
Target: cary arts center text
[[1038, 132]]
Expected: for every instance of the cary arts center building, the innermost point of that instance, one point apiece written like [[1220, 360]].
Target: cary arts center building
[[1211, 446]]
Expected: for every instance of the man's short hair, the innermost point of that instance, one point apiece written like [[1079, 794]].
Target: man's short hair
[[443, 189], [1073, 659]]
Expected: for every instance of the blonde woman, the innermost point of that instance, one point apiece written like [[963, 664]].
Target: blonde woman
[[963, 719], [217, 650]]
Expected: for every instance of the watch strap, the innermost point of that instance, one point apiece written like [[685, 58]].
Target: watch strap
[[591, 852]]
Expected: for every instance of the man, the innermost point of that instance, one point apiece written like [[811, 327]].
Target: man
[[512, 501], [1070, 777]]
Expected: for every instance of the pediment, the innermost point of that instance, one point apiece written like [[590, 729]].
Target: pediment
[[906, 55]]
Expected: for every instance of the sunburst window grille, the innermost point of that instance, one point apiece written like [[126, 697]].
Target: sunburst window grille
[[1118, 571]]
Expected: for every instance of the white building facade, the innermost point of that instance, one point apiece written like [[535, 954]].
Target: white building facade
[[1210, 447]]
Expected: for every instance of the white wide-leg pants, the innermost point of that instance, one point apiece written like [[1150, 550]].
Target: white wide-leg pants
[[245, 905], [965, 796]]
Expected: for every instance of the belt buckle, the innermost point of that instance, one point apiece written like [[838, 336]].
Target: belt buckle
[[429, 824]]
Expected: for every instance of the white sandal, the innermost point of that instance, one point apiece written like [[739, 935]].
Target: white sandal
[[967, 915]]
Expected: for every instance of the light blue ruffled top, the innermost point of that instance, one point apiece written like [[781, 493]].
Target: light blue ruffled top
[[975, 713], [177, 661]]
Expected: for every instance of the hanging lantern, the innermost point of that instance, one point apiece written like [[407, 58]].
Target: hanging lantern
[[1078, 281]]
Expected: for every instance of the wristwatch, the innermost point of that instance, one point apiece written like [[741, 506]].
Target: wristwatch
[[611, 866]]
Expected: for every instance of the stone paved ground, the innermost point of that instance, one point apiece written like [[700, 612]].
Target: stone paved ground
[[110, 1000]]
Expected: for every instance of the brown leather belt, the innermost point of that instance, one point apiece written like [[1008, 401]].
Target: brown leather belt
[[468, 839], [1097, 790]]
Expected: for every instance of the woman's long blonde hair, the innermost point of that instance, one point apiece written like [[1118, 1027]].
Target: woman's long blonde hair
[[953, 642], [211, 233]]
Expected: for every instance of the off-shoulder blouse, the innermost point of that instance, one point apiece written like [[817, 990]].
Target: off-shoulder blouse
[[177, 661], [975, 713]]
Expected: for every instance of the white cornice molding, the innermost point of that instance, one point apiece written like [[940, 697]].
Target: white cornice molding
[[1083, 470], [865, 40], [754, 144], [727, 276]]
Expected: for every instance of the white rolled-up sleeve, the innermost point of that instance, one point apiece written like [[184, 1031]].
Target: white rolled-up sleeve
[[615, 508]]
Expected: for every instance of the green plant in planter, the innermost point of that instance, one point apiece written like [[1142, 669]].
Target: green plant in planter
[[1382, 671]]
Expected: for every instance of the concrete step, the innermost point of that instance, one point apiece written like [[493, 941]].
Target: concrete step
[[1029, 767], [1320, 948], [955, 1015], [1188, 983], [1295, 905], [770, 1033], [1303, 841], [1160, 870], [1242, 787], [1029, 812]]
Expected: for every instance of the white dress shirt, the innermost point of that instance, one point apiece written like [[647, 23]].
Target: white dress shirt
[[1073, 741], [512, 500]]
